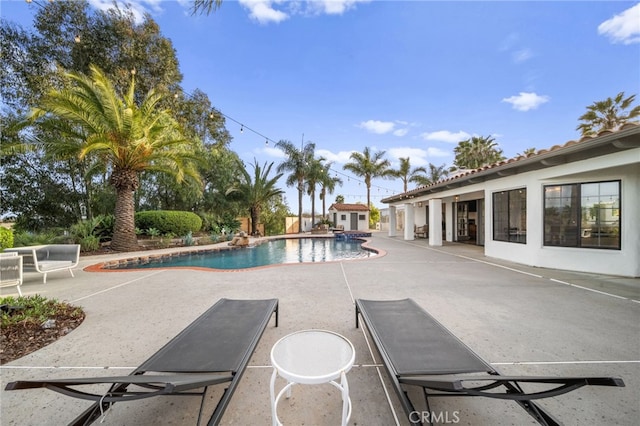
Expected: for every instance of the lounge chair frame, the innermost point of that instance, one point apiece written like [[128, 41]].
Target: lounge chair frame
[[11, 270], [194, 359], [48, 258], [472, 376]]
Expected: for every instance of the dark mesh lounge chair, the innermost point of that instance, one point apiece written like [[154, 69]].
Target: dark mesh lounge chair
[[214, 349], [419, 351]]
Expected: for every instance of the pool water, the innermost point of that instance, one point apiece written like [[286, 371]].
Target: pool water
[[269, 253]]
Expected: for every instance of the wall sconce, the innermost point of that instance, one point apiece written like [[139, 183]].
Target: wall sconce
[[420, 204]]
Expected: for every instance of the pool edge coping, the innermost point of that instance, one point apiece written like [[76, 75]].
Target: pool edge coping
[[109, 265]]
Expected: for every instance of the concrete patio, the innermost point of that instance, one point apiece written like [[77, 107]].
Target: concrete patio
[[524, 321]]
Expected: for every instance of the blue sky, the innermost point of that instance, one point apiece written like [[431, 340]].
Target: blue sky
[[412, 78]]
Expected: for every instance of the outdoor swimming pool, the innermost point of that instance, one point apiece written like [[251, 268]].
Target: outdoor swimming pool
[[268, 253]]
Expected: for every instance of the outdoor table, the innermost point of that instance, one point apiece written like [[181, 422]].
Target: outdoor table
[[312, 357]]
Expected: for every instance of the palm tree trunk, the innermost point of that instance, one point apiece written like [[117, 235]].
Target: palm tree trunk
[[313, 208], [323, 195], [124, 235], [255, 217], [300, 188], [124, 228]]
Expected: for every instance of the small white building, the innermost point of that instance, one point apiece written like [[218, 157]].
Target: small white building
[[574, 206], [353, 217]]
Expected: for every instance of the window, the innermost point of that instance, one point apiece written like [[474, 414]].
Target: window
[[582, 215], [362, 217], [510, 216], [343, 217]]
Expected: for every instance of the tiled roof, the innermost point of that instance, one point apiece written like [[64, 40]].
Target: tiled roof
[[342, 207], [628, 136]]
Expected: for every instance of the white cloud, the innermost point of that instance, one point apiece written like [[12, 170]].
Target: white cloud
[[383, 127], [526, 101], [378, 127], [272, 152], [522, 55], [263, 11], [333, 7], [341, 157], [446, 136], [623, 28], [138, 8], [417, 156], [267, 11], [437, 152]]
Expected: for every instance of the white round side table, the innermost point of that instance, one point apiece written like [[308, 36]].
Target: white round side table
[[312, 357]]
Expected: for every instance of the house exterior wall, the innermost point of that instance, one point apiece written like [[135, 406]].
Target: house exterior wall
[[363, 224], [621, 165]]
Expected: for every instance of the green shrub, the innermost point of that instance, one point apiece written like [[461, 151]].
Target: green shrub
[[23, 239], [89, 243], [36, 309], [188, 240], [169, 222], [6, 238]]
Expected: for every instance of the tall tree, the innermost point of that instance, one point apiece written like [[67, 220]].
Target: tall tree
[[69, 36], [433, 175], [128, 137], [527, 152], [609, 114], [297, 163], [476, 152], [315, 172], [405, 172], [205, 6], [368, 165], [327, 186], [274, 216], [257, 192]]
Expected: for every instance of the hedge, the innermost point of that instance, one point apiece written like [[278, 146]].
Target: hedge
[[168, 221]]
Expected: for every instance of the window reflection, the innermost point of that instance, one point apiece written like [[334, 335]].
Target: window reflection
[[510, 216], [582, 215]]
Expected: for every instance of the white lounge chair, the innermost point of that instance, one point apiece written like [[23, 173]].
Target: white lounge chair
[[11, 270], [48, 258]]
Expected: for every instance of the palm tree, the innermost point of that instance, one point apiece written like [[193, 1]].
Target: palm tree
[[477, 152], [205, 6], [257, 192], [297, 163], [327, 186], [527, 152], [406, 173], [315, 172], [433, 175], [127, 137], [368, 167], [607, 115]]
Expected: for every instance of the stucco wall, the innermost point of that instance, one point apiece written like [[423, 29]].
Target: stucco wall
[[622, 165]]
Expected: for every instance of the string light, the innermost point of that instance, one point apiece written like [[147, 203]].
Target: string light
[[267, 140]]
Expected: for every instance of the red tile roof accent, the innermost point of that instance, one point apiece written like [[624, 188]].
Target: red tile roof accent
[[463, 173], [343, 207]]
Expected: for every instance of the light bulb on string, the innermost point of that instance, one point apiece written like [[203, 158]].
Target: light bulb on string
[[241, 128], [266, 142]]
